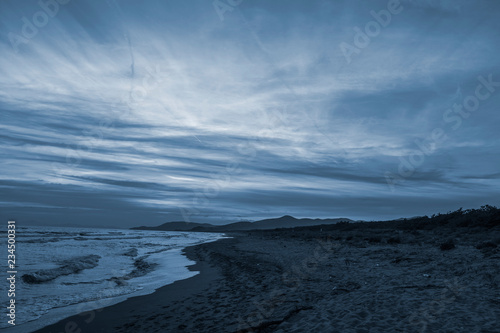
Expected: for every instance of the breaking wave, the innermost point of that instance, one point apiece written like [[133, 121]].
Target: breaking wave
[[72, 266], [142, 267]]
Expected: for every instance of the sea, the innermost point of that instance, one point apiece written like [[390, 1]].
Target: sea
[[62, 271]]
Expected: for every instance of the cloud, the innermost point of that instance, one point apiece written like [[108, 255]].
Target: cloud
[[443, 5], [144, 107]]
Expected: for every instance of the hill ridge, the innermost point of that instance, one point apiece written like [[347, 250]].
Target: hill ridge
[[285, 221]]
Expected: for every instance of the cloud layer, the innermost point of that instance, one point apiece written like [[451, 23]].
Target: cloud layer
[[122, 113]]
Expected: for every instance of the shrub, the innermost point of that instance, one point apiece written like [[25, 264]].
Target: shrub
[[374, 239], [394, 240], [485, 245], [448, 245]]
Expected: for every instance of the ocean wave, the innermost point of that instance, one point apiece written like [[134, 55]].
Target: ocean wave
[[142, 267], [114, 238], [44, 233], [163, 249], [83, 282], [72, 266], [101, 234], [41, 240], [132, 252]]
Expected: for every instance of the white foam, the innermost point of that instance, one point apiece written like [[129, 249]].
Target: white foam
[[91, 288]]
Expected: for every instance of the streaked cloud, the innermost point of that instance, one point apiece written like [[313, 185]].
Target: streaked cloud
[[124, 113]]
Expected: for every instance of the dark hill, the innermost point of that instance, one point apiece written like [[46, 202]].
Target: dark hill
[[281, 222], [175, 226]]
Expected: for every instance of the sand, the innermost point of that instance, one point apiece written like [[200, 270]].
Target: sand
[[300, 281]]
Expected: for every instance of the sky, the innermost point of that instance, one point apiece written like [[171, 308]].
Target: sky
[[123, 113]]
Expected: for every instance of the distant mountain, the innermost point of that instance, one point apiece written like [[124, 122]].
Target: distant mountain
[[176, 226], [286, 221]]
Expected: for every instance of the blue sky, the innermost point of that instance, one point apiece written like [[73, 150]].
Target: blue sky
[[124, 113]]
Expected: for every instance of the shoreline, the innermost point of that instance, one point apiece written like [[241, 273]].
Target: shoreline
[[355, 278], [107, 318]]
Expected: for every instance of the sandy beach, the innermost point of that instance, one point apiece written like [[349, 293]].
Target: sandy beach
[[238, 166], [344, 279]]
